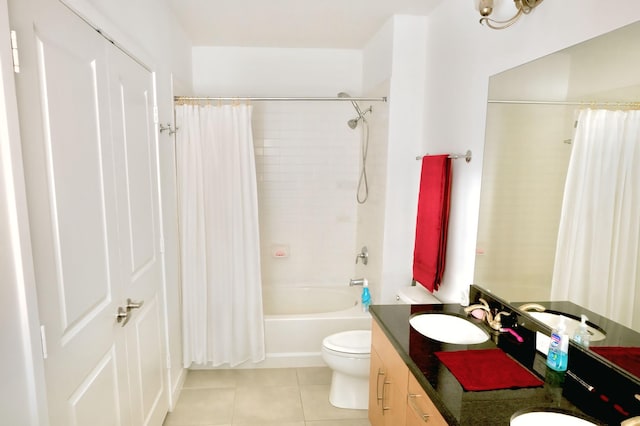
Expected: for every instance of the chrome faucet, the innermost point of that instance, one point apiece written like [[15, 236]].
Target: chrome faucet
[[356, 281]]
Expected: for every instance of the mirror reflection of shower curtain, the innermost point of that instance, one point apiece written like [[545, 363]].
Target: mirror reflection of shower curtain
[[220, 245], [597, 254]]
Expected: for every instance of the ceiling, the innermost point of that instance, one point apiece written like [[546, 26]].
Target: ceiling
[[335, 24]]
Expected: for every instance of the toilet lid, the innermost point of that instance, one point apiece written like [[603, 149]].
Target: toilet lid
[[353, 341]]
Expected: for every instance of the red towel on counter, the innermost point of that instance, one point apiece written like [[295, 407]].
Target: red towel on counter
[[432, 221], [487, 369], [627, 358]]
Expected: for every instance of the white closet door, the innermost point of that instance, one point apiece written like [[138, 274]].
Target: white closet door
[[137, 177], [90, 157]]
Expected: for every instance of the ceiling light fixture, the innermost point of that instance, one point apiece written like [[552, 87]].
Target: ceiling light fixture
[[486, 8]]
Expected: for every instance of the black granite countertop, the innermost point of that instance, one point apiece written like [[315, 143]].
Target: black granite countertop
[[460, 407]]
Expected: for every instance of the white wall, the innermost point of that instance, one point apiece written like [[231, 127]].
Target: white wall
[[276, 72], [406, 129], [394, 61], [461, 55]]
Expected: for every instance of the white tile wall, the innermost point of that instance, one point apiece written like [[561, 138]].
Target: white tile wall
[[307, 161]]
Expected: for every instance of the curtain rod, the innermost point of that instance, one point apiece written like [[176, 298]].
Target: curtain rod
[[567, 103], [292, 99]]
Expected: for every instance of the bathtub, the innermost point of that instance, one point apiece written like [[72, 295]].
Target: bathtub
[[297, 318]]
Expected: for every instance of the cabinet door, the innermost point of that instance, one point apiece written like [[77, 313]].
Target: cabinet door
[[420, 409], [376, 380], [393, 384]]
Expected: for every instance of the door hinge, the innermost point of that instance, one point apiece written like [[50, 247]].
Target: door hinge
[[43, 342], [14, 52]]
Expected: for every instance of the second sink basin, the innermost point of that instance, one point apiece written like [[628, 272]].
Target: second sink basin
[[549, 418], [552, 319], [448, 329]]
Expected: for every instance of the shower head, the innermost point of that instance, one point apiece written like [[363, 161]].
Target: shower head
[[353, 123], [355, 104]]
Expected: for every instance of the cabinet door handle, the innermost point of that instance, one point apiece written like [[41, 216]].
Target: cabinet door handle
[[412, 402], [380, 373], [384, 384]]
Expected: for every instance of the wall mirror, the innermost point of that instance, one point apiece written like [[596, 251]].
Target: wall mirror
[[530, 125]]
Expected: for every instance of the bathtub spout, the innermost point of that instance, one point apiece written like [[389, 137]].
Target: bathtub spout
[[356, 281]]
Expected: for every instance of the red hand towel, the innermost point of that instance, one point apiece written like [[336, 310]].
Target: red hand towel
[[625, 357], [432, 221], [487, 369]]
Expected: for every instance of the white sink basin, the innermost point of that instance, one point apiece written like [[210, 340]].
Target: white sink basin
[[448, 329], [551, 319], [548, 418]]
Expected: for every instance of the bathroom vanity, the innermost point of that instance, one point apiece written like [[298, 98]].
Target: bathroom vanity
[[409, 385]]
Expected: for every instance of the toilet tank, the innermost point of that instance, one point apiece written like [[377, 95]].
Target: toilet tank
[[415, 295]]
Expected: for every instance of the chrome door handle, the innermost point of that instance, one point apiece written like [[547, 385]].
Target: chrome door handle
[[133, 305], [122, 316]]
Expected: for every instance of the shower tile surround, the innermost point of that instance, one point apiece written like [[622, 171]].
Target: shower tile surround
[[307, 162]]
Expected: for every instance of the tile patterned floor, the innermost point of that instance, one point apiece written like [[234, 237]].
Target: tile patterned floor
[[260, 397]]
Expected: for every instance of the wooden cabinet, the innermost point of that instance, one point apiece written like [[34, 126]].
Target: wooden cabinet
[[395, 397]]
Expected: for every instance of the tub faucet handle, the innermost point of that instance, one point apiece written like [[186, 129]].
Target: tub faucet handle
[[364, 255]]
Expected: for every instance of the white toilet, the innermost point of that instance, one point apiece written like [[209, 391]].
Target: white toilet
[[348, 354]]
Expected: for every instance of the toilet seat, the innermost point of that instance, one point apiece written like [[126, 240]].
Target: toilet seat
[[349, 342]]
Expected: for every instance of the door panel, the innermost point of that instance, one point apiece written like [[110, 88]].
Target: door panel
[[63, 93], [146, 345], [136, 162], [73, 90], [95, 391], [135, 105]]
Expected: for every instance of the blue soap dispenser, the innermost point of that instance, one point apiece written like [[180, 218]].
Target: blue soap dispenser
[[558, 354], [366, 296]]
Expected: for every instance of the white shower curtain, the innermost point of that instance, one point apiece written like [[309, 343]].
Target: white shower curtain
[[597, 254], [220, 248]]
